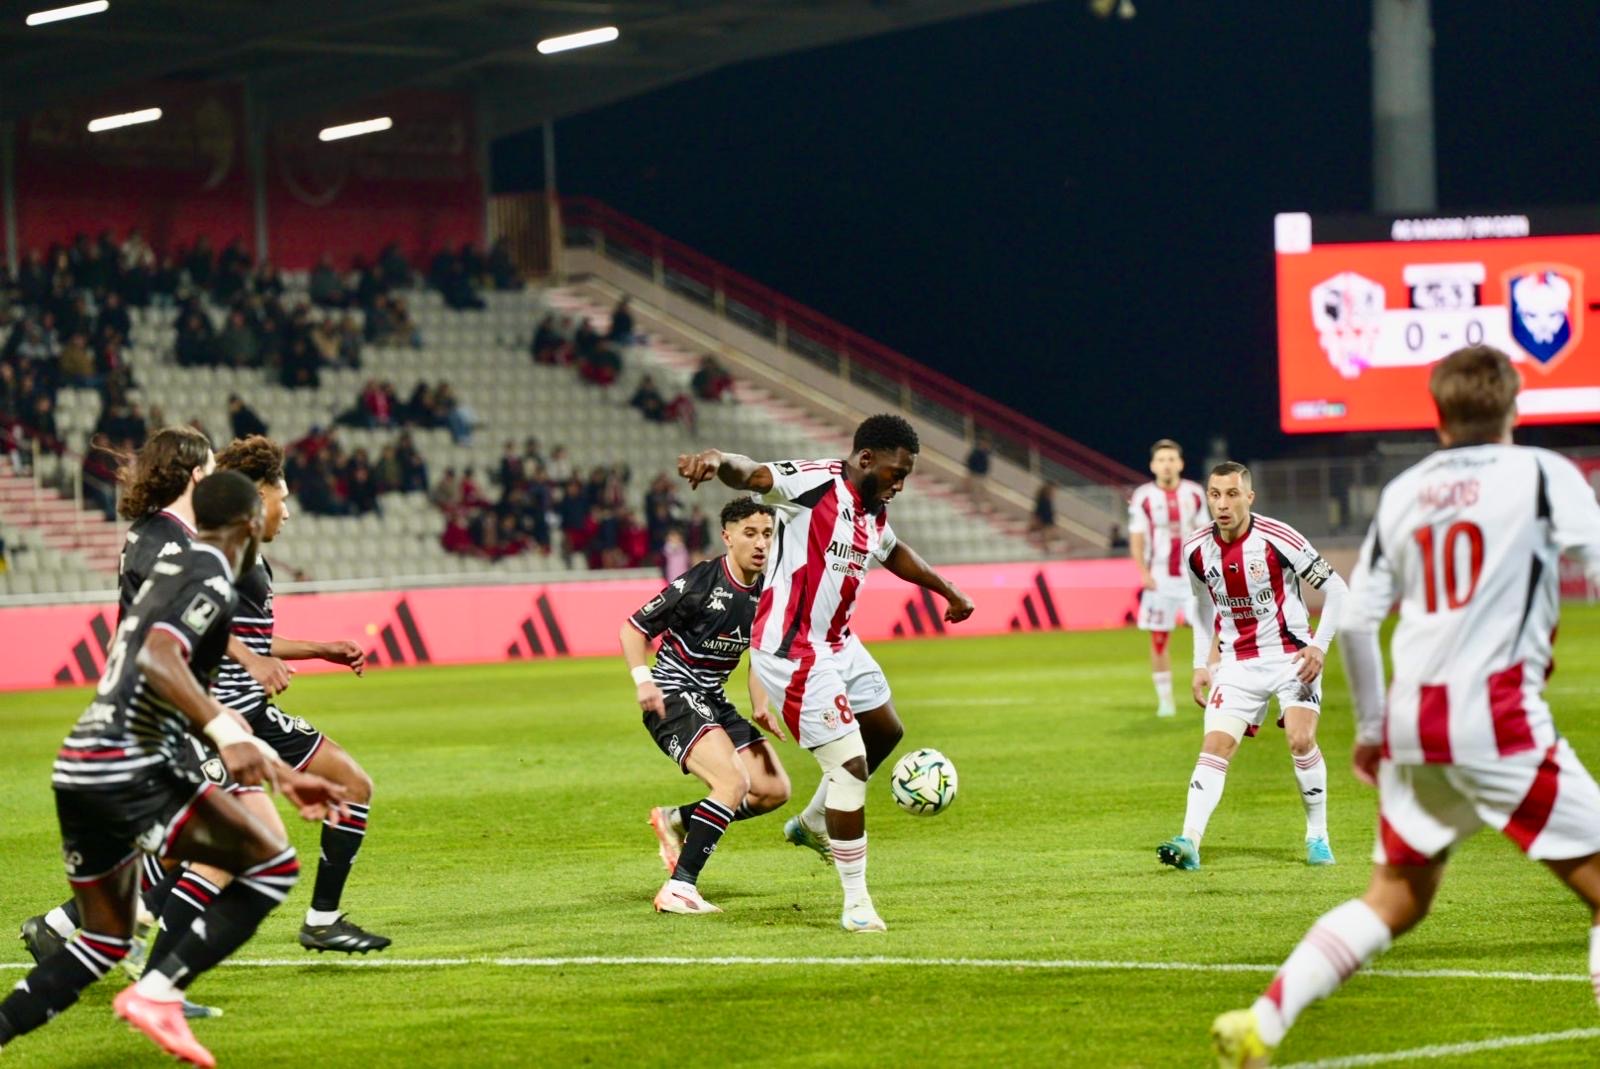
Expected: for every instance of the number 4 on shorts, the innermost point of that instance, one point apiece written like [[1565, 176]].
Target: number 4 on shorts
[[1216, 698]]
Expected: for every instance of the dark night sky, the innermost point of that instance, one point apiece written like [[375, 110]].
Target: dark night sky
[[1075, 216]]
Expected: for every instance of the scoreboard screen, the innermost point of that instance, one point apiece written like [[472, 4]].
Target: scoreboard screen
[[1366, 305]]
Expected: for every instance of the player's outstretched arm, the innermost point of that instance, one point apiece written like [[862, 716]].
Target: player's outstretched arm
[[270, 672], [341, 652], [906, 563], [732, 469]]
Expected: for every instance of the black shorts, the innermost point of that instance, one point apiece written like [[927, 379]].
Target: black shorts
[[690, 714], [293, 737], [101, 831]]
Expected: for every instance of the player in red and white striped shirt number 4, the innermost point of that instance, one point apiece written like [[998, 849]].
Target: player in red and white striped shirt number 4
[[1252, 643], [1161, 514], [833, 524], [1467, 542]]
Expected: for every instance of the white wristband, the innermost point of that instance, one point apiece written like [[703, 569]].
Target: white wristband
[[224, 731], [641, 674]]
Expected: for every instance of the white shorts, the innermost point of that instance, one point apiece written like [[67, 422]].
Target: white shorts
[[1242, 691], [1547, 804], [1160, 609], [819, 695]]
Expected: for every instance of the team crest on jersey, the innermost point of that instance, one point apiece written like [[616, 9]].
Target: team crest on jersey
[[1545, 303], [1257, 569]]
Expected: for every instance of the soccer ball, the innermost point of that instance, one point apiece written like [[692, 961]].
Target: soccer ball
[[923, 782]]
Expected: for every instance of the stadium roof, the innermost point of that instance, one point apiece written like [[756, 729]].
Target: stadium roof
[[303, 57]]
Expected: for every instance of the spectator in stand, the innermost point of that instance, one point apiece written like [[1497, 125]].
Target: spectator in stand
[[447, 494], [114, 318], [316, 490], [135, 252], [978, 470], [100, 465], [577, 521], [697, 534], [200, 263], [419, 409], [648, 400], [380, 403], [621, 332], [559, 466], [458, 290], [33, 279], [325, 339], [532, 455], [301, 368], [243, 418], [380, 328], [711, 380], [503, 270], [457, 538], [1118, 538], [197, 341], [511, 473], [349, 343], [327, 288], [387, 471], [472, 495], [472, 264], [549, 347], [40, 424], [1042, 525], [674, 556], [405, 328], [167, 283], [369, 283], [457, 416], [602, 366], [121, 422], [413, 469], [362, 488], [233, 272], [393, 268], [77, 364], [266, 281], [239, 345]]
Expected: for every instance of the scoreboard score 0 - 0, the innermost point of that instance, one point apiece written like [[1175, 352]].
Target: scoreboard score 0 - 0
[[1367, 305]]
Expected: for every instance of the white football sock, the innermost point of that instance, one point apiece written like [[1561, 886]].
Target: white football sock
[[1594, 960], [814, 815], [1163, 682], [155, 986], [1343, 939], [60, 923], [318, 917], [850, 858], [1311, 772], [1205, 791]]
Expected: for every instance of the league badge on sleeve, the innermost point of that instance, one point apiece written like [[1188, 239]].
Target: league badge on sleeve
[[1545, 304]]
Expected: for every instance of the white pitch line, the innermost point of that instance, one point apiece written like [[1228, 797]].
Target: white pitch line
[[1448, 1050], [1040, 964]]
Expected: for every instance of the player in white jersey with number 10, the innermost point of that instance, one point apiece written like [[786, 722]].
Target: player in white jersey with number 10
[[1468, 543], [1161, 514], [1246, 572], [833, 525]]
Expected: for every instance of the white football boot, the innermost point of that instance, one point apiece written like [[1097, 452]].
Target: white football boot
[[676, 896], [861, 917]]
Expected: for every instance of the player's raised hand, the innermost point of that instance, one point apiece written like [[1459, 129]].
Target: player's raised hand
[[959, 608], [1309, 660], [650, 699], [1200, 686], [346, 653], [273, 675], [699, 467], [316, 798], [764, 719], [1364, 762]]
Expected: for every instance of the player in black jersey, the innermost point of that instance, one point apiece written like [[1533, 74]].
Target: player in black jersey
[[704, 618], [157, 490], [299, 744], [124, 785]]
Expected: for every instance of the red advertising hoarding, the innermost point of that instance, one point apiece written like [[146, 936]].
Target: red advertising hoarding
[[1366, 306]]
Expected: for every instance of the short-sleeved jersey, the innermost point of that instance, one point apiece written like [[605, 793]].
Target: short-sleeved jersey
[[824, 544], [1253, 584], [128, 729], [704, 617], [1166, 518], [252, 625], [159, 536], [1468, 543]]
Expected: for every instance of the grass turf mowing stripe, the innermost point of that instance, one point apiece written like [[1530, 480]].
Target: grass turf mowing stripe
[[1448, 1050], [1061, 964]]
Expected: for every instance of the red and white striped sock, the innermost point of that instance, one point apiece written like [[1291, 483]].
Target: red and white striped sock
[[850, 858], [1205, 791], [1343, 939], [1594, 960], [1311, 772]]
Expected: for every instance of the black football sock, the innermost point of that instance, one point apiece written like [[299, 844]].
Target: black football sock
[[709, 820], [744, 812], [70, 908], [340, 844], [55, 983], [232, 919], [190, 897], [157, 893]]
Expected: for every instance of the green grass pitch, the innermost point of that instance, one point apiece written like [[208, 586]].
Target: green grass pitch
[[509, 822]]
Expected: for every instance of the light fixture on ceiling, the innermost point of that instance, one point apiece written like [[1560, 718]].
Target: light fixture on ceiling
[[567, 42]]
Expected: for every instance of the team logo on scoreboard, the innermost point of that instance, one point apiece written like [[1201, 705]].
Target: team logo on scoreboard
[[1347, 311], [1545, 302]]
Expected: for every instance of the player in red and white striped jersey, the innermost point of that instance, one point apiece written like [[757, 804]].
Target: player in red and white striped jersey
[[1252, 624], [1468, 543], [1161, 514], [833, 526]]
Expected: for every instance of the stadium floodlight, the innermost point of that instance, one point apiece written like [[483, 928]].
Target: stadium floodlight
[[127, 118], [567, 42], [57, 14], [356, 129]]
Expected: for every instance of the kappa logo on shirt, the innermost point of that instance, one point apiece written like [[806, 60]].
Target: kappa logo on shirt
[[719, 600], [219, 584], [171, 549]]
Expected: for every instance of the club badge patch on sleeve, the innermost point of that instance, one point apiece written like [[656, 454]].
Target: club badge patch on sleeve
[[1317, 572], [201, 611], [653, 604], [787, 468]]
